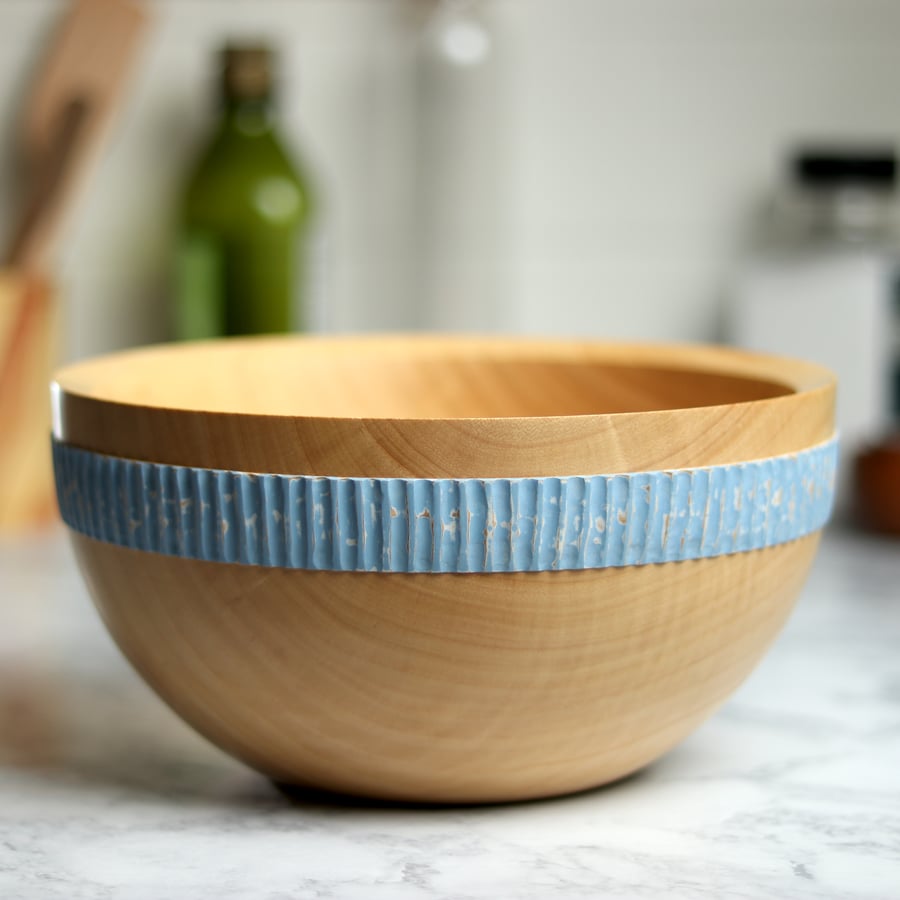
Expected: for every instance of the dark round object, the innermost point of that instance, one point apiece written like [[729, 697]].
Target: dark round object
[[878, 485]]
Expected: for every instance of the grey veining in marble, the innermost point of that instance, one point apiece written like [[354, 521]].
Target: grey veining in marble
[[791, 791]]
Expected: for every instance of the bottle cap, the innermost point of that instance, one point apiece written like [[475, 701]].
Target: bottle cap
[[247, 71]]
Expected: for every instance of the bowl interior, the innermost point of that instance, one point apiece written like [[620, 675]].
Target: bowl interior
[[384, 379], [441, 407]]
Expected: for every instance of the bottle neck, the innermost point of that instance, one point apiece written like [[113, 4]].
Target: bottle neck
[[251, 116]]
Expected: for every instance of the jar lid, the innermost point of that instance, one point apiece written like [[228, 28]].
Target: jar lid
[[833, 167], [878, 485]]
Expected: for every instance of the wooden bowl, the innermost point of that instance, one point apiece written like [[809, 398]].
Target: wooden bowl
[[459, 570]]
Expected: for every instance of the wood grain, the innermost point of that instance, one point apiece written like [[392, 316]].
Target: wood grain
[[432, 407], [447, 688], [28, 339], [66, 115], [443, 687], [89, 58], [39, 219]]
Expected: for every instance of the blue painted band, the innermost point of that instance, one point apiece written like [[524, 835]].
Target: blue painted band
[[445, 525]]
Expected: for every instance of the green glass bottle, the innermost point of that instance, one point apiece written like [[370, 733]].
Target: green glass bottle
[[243, 258]]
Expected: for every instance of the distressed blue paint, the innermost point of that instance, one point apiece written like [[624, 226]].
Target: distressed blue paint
[[445, 525]]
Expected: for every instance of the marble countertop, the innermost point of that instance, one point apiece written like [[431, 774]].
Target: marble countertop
[[792, 790]]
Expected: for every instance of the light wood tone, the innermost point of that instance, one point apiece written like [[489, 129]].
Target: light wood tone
[[28, 333], [449, 688], [66, 115], [89, 57], [434, 407], [66, 112], [444, 687], [41, 215]]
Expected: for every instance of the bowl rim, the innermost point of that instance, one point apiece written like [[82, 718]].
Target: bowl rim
[[89, 414]]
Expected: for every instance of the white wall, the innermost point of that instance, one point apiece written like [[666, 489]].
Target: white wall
[[647, 132], [631, 144]]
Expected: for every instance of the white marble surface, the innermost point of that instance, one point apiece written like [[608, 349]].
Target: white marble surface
[[791, 791]]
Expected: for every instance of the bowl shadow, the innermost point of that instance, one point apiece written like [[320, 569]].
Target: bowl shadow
[[310, 797], [108, 732]]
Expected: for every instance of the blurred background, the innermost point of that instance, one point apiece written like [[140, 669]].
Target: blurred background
[[655, 171], [631, 144]]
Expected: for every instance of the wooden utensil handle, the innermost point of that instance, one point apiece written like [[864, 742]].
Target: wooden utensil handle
[[43, 208]]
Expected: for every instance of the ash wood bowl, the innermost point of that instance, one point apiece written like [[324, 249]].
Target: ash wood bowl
[[440, 569]]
